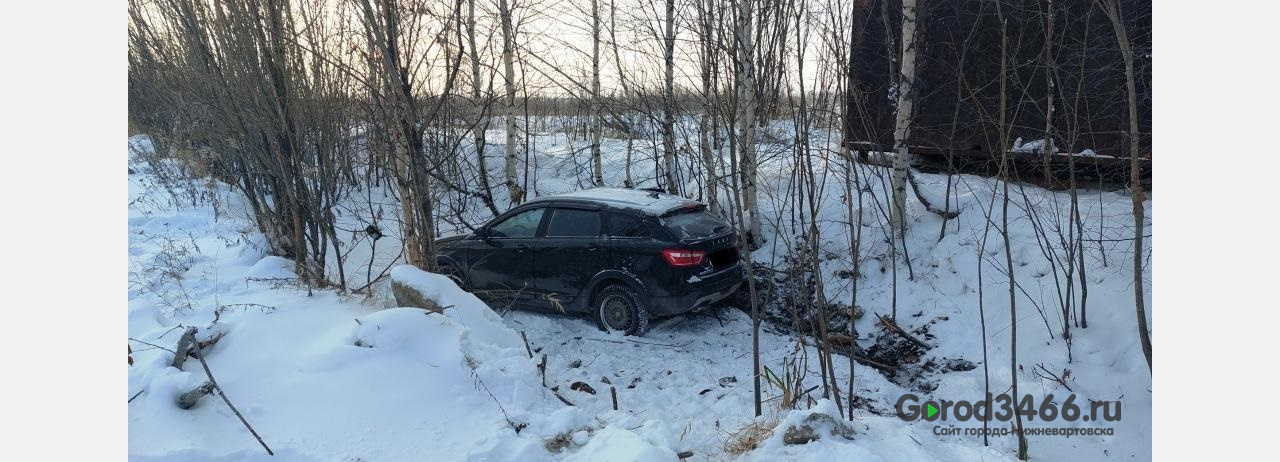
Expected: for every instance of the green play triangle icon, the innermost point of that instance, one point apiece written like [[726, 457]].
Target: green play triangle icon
[[930, 410]]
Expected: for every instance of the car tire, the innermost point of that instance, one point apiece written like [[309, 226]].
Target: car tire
[[617, 308]]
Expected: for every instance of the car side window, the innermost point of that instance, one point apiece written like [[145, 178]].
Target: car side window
[[574, 223], [626, 225], [520, 225]]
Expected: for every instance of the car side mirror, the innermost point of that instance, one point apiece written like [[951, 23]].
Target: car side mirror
[[482, 234]]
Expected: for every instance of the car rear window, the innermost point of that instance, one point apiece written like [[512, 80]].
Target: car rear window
[[694, 225], [625, 225], [573, 223]]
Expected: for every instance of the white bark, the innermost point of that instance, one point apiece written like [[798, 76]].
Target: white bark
[[707, 129], [747, 118], [668, 101], [479, 106], [509, 82], [598, 176], [902, 126]]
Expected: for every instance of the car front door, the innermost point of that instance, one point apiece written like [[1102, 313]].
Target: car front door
[[501, 267], [572, 250]]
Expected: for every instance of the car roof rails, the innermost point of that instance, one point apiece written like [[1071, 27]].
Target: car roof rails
[[654, 191]]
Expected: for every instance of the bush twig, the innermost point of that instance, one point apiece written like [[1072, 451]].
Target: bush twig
[[223, 394]]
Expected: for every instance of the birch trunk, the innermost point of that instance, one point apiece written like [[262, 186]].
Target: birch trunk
[[745, 110], [668, 101], [707, 128], [747, 120], [479, 107], [902, 126], [598, 176], [509, 82]]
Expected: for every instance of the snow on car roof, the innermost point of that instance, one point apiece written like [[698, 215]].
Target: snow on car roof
[[648, 201]]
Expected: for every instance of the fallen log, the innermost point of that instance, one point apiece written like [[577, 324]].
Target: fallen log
[[893, 327], [184, 342], [201, 345], [189, 399], [868, 362], [840, 340]]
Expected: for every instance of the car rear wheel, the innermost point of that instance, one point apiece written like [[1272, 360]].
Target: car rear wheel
[[620, 309]]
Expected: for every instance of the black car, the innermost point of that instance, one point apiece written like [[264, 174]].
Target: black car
[[621, 255]]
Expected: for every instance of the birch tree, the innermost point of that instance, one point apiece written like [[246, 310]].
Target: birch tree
[[744, 109], [746, 118], [708, 129], [902, 126], [509, 82], [668, 101], [480, 106], [598, 169]]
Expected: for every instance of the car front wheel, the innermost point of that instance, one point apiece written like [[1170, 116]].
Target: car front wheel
[[620, 309]]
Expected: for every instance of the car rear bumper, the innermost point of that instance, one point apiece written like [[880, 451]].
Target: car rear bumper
[[700, 291]]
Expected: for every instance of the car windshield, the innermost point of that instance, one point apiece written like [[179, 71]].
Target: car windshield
[[693, 225]]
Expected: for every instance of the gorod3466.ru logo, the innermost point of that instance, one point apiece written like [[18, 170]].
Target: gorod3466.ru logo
[[1001, 408]]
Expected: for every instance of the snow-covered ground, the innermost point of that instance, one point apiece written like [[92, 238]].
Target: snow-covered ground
[[319, 375], [323, 376]]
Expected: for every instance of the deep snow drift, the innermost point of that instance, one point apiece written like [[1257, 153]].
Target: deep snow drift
[[320, 376], [323, 376]]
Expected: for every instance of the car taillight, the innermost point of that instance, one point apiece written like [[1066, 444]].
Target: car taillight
[[679, 257]]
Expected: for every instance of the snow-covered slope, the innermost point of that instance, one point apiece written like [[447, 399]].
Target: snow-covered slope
[[323, 376], [320, 376]]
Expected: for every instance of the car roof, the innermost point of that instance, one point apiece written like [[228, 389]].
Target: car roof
[[648, 201]]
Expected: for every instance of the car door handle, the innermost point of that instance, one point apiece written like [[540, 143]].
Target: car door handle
[[593, 247], [521, 248]]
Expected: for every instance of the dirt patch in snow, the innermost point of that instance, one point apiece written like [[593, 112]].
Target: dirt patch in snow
[[787, 309], [912, 366]]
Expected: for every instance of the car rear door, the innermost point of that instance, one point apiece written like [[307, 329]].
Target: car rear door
[[632, 243], [571, 250]]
